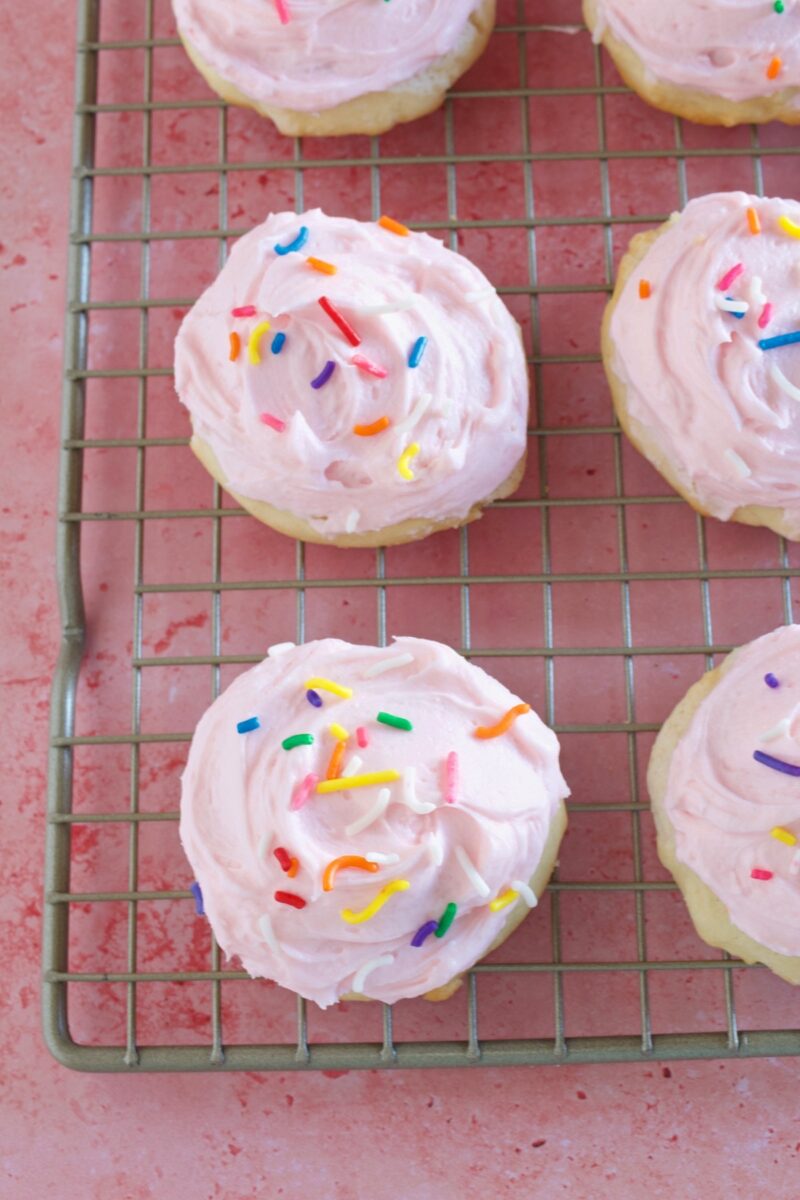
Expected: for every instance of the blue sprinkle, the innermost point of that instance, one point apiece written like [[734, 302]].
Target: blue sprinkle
[[417, 351], [314, 698], [783, 339], [198, 899], [739, 316], [296, 244], [248, 726], [771, 680], [277, 343]]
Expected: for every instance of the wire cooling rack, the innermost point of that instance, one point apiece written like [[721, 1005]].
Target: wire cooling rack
[[594, 592]]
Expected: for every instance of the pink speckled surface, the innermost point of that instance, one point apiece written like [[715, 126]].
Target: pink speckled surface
[[582, 1132]]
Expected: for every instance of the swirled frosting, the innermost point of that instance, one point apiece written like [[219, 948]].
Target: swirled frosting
[[464, 405], [723, 47], [329, 51], [725, 412], [724, 805], [456, 835]]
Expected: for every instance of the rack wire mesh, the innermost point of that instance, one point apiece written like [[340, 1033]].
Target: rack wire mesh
[[594, 590]]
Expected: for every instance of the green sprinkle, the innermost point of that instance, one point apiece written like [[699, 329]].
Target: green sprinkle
[[396, 722], [446, 919], [779, 6], [298, 739]]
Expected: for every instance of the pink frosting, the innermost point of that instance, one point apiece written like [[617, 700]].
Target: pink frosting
[[329, 51], [465, 405], [726, 413], [723, 47], [724, 804], [237, 807]]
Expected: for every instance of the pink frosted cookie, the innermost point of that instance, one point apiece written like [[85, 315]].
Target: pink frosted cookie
[[369, 821], [724, 778], [701, 345], [718, 62], [334, 66], [355, 383]]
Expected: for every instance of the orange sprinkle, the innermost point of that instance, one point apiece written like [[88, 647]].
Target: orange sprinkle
[[504, 724], [394, 226], [773, 70], [376, 427], [340, 864], [294, 867], [319, 264], [335, 761], [236, 345], [644, 289], [753, 220]]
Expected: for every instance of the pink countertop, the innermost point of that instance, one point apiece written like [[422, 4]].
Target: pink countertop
[[581, 1132]]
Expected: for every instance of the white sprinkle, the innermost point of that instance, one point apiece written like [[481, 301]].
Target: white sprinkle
[[360, 977], [372, 814], [268, 934], [351, 520], [599, 30], [409, 797], [777, 731], [435, 851], [280, 648], [737, 462], [731, 306], [417, 411], [384, 860], [477, 881], [783, 383], [402, 304], [481, 294], [757, 297], [353, 767], [387, 664], [526, 892]]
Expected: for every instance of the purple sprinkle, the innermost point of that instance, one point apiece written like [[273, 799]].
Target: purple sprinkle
[[771, 680], [423, 932], [198, 899], [777, 764], [314, 698], [324, 375]]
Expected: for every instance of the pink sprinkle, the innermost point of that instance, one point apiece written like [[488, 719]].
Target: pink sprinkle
[[247, 310], [766, 316], [729, 276], [451, 778], [302, 792], [283, 11], [274, 422], [760, 873], [361, 737], [371, 368]]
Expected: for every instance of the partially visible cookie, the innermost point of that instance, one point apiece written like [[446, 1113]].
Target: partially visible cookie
[[724, 780]]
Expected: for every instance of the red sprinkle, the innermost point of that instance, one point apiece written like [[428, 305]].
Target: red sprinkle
[[361, 737], [247, 310], [729, 276], [274, 422], [338, 319], [283, 11], [291, 899], [766, 316], [283, 857], [760, 873]]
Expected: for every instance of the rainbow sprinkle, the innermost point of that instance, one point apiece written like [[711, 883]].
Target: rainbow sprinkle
[[274, 422], [372, 814], [236, 345], [451, 778], [504, 724], [503, 901], [278, 342], [319, 264], [346, 862], [766, 316], [386, 718], [339, 732], [417, 351], [284, 858], [248, 725], [282, 10], [790, 227], [783, 835], [254, 342], [729, 277], [424, 932], [760, 873], [771, 680], [361, 737], [324, 375], [777, 764], [446, 919], [298, 739], [360, 977], [314, 698], [753, 221], [291, 899], [371, 779], [246, 310], [297, 243], [402, 463], [774, 68], [394, 226], [783, 339], [339, 321], [302, 793], [366, 914], [368, 367], [194, 888], [328, 685], [370, 430], [644, 289]]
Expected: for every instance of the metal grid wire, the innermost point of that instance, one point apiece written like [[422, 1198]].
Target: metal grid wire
[[723, 1037]]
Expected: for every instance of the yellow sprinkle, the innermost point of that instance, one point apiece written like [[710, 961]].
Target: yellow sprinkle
[[346, 782], [402, 463], [253, 345], [327, 685], [783, 835], [356, 918], [319, 264], [339, 732], [502, 901], [789, 226]]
